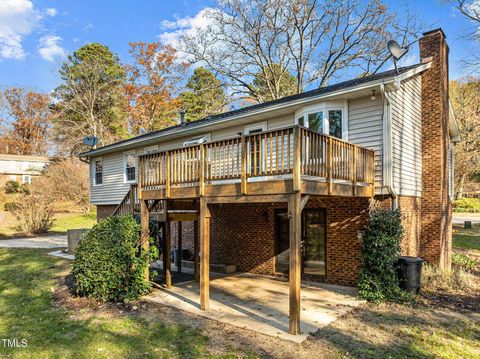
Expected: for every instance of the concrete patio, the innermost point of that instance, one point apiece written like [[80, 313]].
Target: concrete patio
[[260, 303]]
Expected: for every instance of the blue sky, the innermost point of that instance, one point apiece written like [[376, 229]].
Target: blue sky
[[35, 35]]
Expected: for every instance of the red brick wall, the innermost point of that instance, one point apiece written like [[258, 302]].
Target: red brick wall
[[104, 211], [435, 246], [244, 235]]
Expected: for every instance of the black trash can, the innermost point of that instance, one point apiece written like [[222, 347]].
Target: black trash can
[[409, 271]]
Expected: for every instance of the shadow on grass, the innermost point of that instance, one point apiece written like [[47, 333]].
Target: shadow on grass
[[26, 312]]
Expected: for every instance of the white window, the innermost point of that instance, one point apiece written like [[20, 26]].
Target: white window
[[255, 163], [151, 149], [197, 140], [27, 179], [98, 172], [255, 128], [130, 167], [327, 118]]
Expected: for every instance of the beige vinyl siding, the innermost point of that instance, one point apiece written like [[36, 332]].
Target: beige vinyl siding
[[365, 128], [406, 115]]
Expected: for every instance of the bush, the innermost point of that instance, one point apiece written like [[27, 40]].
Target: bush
[[108, 264], [380, 252], [464, 262], [469, 205], [11, 187], [435, 278], [34, 213], [10, 206]]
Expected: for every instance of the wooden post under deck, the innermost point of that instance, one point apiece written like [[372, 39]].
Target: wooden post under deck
[[195, 250], [204, 254], [180, 239], [144, 233], [167, 256], [294, 212]]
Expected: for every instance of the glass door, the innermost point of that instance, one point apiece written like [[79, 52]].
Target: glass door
[[314, 241]]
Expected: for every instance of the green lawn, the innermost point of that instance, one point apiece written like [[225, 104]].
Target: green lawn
[[27, 278], [466, 238], [86, 220]]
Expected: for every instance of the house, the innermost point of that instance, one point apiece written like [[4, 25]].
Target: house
[[285, 187], [21, 168]]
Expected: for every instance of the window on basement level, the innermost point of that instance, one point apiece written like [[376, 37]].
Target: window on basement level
[[98, 172], [27, 179], [130, 161]]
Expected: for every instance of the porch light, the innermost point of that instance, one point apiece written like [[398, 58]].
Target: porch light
[[373, 95]]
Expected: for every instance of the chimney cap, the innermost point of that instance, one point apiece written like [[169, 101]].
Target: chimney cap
[[431, 32]]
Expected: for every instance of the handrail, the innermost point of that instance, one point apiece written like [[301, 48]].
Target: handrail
[[295, 151]]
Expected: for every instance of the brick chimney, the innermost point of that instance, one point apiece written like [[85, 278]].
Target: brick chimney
[[436, 236]]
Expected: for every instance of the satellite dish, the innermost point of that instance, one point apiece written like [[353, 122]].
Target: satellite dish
[[90, 141], [396, 51]]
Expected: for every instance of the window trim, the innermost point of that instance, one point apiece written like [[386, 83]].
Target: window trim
[[124, 169], [197, 140], [151, 149], [29, 179], [325, 107], [255, 126], [94, 179]]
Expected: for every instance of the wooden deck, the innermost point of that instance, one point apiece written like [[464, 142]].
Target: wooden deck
[[270, 163], [287, 165]]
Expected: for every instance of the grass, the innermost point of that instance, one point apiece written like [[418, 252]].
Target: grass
[[62, 223], [27, 277], [466, 238]]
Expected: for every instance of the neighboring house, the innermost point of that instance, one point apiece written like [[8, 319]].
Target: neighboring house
[[21, 168], [286, 186]]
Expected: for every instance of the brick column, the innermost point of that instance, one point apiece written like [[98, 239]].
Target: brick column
[[436, 241]]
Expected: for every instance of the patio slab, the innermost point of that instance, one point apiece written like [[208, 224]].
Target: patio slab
[[260, 303]]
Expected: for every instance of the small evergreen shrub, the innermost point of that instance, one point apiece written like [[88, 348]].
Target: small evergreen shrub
[[109, 264], [467, 205], [11, 187], [380, 252]]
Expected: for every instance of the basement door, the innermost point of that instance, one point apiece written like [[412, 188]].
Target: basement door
[[314, 237]]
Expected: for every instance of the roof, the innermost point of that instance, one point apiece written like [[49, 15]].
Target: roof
[[319, 92], [23, 158]]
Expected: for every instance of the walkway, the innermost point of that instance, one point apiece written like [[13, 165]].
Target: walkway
[[56, 241]]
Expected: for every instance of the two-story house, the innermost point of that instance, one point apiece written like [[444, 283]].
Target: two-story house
[[285, 187], [21, 168]]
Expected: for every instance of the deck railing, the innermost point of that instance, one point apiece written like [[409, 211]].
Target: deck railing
[[293, 151]]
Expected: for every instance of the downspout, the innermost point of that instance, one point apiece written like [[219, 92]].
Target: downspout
[[388, 147]]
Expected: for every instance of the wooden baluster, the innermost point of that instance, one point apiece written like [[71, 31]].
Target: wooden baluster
[[167, 175], [289, 142], [244, 165], [283, 151], [329, 165], [354, 171], [297, 159], [276, 152], [202, 170]]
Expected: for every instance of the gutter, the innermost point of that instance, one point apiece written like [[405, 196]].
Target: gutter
[[388, 148]]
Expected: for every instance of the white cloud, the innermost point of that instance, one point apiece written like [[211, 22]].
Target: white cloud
[[174, 29], [49, 48], [18, 18], [51, 12]]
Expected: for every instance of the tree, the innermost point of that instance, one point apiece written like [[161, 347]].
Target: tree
[[206, 96], [316, 41], [90, 99], [152, 85], [25, 122], [272, 86], [465, 97]]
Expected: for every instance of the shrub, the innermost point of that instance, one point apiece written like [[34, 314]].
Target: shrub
[[109, 264], [10, 206], [380, 252], [435, 278], [470, 205], [11, 187], [34, 213], [464, 262]]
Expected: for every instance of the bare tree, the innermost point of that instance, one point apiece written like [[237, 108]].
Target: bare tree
[[316, 41]]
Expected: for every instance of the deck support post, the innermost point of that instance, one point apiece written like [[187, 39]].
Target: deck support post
[[167, 254], [294, 212], [180, 239], [204, 254], [144, 236], [195, 250]]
